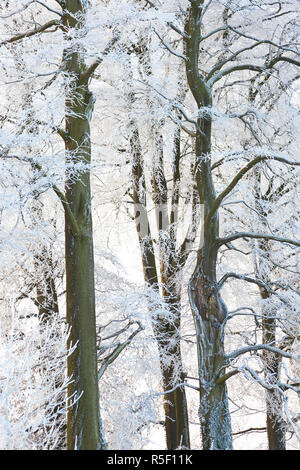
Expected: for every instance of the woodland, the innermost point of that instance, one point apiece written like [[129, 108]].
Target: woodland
[[149, 225]]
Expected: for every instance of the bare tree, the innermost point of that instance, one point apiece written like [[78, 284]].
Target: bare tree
[[84, 425], [205, 68]]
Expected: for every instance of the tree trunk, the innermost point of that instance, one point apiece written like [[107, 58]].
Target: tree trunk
[[276, 426], [175, 404], [83, 424], [209, 310], [209, 314]]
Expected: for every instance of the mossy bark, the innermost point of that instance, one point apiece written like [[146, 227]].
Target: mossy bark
[[83, 423], [209, 310]]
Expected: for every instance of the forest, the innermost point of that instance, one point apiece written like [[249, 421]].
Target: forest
[[149, 225]]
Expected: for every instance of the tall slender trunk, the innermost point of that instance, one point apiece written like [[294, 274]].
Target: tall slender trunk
[[175, 404], [177, 424], [276, 426], [209, 310], [83, 423]]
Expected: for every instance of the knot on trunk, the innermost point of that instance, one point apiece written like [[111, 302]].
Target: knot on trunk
[[209, 303]]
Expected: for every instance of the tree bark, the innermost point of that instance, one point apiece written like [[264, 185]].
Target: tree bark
[[83, 423], [175, 404], [276, 426], [209, 310]]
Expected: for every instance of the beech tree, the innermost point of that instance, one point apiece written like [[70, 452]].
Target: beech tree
[[208, 79], [217, 58], [163, 271], [84, 425], [71, 123], [210, 312], [270, 196]]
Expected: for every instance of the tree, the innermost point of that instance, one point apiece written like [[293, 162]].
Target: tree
[[84, 426], [204, 72], [171, 259], [84, 418], [268, 200], [208, 307], [134, 52]]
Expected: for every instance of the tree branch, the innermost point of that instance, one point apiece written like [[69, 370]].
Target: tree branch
[[264, 236], [227, 376], [251, 67], [169, 48], [239, 176], [27, 34], [48, 8], [177, 30], [74, 225], [88, 72], [250, 430], [258, 347], [241, 51], [116, 352], [251, 280]]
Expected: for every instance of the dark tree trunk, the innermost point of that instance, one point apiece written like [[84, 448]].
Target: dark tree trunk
[[209, 313], [209, 310], [276, 426], [83, 424], [175, 404]]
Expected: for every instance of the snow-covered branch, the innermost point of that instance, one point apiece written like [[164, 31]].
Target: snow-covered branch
[[37, 30], [262, 236], [240, 175]]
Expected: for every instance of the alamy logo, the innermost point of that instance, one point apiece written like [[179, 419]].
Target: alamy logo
[[185, 220]]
